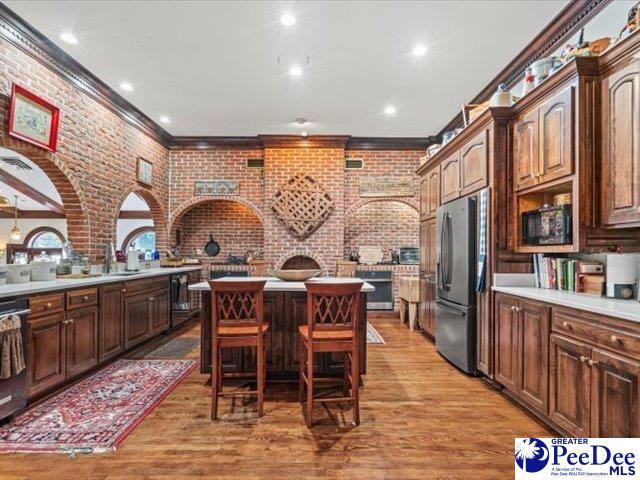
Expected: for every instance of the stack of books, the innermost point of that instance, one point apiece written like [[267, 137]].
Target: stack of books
[[568, 274]]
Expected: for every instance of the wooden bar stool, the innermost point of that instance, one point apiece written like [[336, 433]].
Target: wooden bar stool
[[333, 310], [237, 316]]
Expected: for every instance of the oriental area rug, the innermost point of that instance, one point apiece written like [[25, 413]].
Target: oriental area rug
[[97, 413]]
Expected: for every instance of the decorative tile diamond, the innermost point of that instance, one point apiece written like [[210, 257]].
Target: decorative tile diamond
[[302, 206]]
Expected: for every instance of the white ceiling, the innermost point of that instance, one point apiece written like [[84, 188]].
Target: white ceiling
[[211, 66]]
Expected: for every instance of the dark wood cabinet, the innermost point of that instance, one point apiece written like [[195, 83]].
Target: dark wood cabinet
[[424, 199], [450, 178], [506, 341], [82, 340], [570, 385], [111, 324], [543, 141], [620, 146], [525, 150], [556, 137], [473, 164], [137, 315], [534, 354], [160, 311], [431, 242], [47, 346], [522, 349], [432, 180], [428, 305], [424, 246], [615, 410]]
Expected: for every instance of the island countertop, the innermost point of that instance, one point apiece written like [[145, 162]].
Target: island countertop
[[30, 288], [276, 285]]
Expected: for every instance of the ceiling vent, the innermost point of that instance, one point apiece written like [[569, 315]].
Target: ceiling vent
[[16, 162], [255, 163], [353, 163]]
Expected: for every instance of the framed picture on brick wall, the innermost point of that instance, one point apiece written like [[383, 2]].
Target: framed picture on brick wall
[[33, 119], [144, 171]]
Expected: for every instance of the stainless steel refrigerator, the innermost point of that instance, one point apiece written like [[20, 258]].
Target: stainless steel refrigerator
[[455, 289]]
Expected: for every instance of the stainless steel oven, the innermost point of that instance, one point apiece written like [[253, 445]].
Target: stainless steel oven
[[382, 280]]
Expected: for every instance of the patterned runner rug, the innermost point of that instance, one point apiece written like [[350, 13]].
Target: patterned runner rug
[[96, 414], [373, 336], [177, 347]]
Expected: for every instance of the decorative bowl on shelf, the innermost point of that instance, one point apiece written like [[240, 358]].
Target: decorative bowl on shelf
[[295, 275]]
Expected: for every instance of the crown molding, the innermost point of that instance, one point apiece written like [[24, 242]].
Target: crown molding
[[17, 31], [570, 19], [195, 142], [391, 143]]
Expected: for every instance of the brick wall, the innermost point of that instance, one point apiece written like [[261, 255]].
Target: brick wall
[[233, 225], [387, 224], [95, 165], [354, 220]]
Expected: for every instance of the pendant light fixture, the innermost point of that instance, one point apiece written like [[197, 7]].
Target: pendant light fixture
[[16, 233]]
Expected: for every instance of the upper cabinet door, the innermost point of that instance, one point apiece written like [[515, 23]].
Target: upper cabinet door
[[433, 191], [450, 174], [473, 164], [525, 150], [556, 137], [620, 160], [424, 197]]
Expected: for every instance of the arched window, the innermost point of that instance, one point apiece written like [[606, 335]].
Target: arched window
[[141, 239], [46, 239]]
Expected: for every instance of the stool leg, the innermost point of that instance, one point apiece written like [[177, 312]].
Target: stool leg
[[309, 385], [215, 382], [413, 313], [403, 310], [301, 357], [260, 374], [355, 386]]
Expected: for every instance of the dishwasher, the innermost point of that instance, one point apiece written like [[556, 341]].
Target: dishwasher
[[13, 389]]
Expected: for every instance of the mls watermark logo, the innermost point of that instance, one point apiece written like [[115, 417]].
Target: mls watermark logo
[[577, 458], [532, 454]]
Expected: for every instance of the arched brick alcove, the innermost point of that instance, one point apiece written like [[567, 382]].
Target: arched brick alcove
[[78, 229]]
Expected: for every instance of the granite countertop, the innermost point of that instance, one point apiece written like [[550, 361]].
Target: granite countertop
[[22, 289], [625, 309], [276, 285]]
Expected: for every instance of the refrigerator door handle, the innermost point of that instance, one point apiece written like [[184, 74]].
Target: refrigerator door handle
[[449, 251]]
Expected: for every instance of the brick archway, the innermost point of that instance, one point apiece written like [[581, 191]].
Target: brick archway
[[78, 228], [361, 203], [189, 204], [157, 214]]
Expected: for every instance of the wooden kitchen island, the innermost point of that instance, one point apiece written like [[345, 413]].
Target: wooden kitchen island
[[285, 308]]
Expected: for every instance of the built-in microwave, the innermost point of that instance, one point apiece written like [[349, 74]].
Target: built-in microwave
[[549, 225]]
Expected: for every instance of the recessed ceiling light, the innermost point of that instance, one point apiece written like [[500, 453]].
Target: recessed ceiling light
[[300, 120], [295, 71], [304, 134], [287, 20], [165, 119], [68, 38], [127, 87], [419, 50], [390, 110]]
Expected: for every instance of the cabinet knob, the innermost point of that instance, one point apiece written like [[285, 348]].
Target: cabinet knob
[[70, 320], [65, 322], [513, 308], [592, 363], [566, 325], [614, 339], [583, 358], [533, 176], [48, 306], [124, 290], [85, 298]]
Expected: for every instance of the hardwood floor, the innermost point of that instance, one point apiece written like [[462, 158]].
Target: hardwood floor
[[421, 418]]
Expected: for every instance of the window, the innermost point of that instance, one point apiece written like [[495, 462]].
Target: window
[[141, 239], [45, 240]]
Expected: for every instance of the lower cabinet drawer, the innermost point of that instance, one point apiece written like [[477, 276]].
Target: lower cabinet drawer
[[597, 330], [134, 287], [85, 297], [46, 304]]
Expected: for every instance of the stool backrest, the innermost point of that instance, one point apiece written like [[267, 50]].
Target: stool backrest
[[237, 303], [333, 306]]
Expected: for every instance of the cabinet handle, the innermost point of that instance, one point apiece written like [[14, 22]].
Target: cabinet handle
[[566, 325], [592, 363], [583, 358], [614, 339]]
